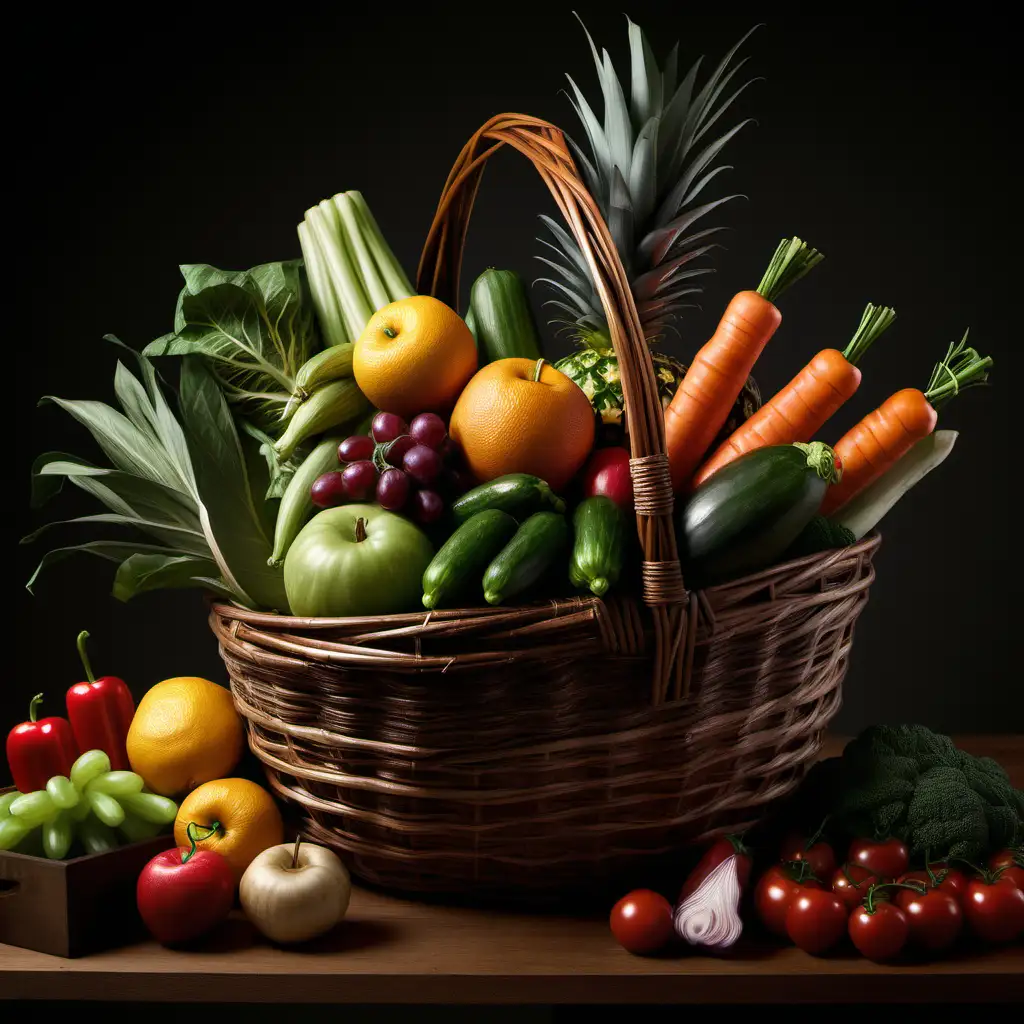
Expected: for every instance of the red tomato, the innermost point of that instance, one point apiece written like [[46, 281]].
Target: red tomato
[[851, 883], [949, 881], [774, 894], [994, 910], [886, 859], [1010, 865], [816, 920], [879, 931], [819, 855], [642, 921], [607, 472], [935, 917]]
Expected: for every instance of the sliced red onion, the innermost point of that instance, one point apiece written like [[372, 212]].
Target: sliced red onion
[[711, 915]]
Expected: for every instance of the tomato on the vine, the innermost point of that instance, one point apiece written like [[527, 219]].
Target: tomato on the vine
[[879, 928], [775, 892], [642, 921], [935, 917], [994, 909], [886, 858], [851, 883], [935, 876], [820, 857], [816, 920], [1010, 865]]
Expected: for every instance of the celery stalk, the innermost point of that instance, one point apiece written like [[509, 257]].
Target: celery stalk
[[367, 268], [391, 271], [862, 513], [325, 302], [355, 306]]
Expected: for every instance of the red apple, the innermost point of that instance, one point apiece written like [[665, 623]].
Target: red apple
[[181, 897], [607, 473]]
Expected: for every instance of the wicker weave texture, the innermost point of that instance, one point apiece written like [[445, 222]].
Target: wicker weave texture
[[512, 751]]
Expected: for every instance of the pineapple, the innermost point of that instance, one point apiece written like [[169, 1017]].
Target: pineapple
[[649, 162]]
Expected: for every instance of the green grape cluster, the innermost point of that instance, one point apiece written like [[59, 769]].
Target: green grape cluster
[[95, 804]]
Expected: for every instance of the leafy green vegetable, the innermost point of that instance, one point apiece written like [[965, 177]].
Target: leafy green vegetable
[[187, 481], [255, 327], [909, 782]]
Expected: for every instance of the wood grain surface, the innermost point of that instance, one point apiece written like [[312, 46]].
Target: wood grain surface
[[390, 951]]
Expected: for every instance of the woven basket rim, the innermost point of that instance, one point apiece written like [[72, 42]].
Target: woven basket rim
[[230, 610]]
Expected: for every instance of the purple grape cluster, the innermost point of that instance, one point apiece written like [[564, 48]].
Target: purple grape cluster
[[407, 467]]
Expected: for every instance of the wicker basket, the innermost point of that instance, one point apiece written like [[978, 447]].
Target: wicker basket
[[516, 751]]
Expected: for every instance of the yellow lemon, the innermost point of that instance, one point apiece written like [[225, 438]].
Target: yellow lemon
[[233, 817], [185, 732]]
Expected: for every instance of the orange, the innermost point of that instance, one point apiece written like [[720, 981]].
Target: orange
[[246, 818], [185, 732], [509, 420], [415, 355]]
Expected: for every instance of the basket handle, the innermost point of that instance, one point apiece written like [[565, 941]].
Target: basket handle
[[438, 275]]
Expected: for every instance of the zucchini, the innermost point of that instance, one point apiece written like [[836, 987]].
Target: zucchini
[[597, 553], [465, 555], [501, 318], [745, 516], [526, 557], [518, 494], [820, 534]]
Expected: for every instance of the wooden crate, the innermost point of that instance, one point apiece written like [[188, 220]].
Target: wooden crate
[[71, 908]]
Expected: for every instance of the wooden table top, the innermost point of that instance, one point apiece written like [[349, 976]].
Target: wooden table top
[[395, 951]]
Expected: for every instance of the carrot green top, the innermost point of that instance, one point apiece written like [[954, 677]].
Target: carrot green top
[[962, 368], [874, 321], [792, 259]]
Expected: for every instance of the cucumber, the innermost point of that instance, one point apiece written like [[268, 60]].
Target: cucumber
[[526, 557], [745, 516], [470, 321], [518, 494], [465, 555], [501, 318], [820, 534], [597, 554]]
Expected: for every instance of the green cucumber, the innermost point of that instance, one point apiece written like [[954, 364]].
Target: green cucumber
[[745, 516], [501, 318], [470, 321], [600, 534], [820, 534], [465, 555], [526, 557], [518, 494]]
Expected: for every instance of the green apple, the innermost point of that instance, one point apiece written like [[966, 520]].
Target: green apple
[[356, 560]]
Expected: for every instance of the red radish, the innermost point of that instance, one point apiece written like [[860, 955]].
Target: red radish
[[607, 472], [708, 910]]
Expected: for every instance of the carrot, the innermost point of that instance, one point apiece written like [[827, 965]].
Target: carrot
[[799, 410], [702, 402], [888, 433]]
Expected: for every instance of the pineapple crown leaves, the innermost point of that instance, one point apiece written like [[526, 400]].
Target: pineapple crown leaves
[[648, 161]]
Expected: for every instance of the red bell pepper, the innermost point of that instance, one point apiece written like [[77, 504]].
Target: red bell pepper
[[38, 750], [708, 910], [101, 712]]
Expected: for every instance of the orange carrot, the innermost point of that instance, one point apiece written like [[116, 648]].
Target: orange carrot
[[799, 410], [888, 433], [701, 405]]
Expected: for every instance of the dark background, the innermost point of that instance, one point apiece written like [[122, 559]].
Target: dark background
[[883, 139]]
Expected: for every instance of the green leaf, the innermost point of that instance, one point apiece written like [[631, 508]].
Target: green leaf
[[645, 78], [643, 181], [111, 550], [256, 328], [274, 474], [595, 135], [621, 220], [143, 572], [239, 541], [656, 245], [180, 538]]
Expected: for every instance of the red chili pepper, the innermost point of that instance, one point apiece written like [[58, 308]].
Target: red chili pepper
[[101, 712], [38, 750], [708, 910]]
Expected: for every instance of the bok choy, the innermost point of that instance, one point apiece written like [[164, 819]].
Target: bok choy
[[188, 486]]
